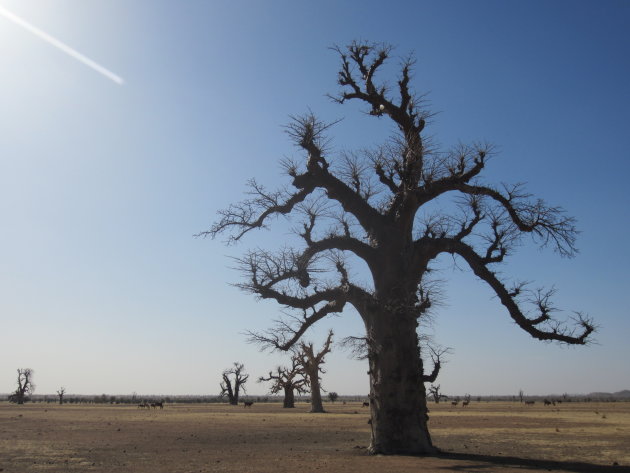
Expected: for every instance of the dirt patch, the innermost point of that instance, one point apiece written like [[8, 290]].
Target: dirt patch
[[486, 437]]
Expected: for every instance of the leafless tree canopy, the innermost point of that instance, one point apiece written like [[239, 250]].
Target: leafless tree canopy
[[379, 205], [25, 385], [286, 376], [233, 380], [434, 391], [374, 200], [288, 380], [61, 393]]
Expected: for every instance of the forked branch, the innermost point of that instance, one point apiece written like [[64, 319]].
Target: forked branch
[[552, 330], [549, 224]]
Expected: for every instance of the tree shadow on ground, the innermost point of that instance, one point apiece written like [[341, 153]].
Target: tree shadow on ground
[[493, 461]]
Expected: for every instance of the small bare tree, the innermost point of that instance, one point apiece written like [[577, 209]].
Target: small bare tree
[[521, 394], [60, 393], [311, 363], [231, 387], [25, 385], [434, 391], [289, 380]]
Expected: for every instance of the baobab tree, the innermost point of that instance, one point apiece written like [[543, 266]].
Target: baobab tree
[[288, 380], [234, 380], [60, 393], [434, 392], [311, 363], [25, 385], [396, 208]]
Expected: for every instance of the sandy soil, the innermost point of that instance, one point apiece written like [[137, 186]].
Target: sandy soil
[[483, 437]]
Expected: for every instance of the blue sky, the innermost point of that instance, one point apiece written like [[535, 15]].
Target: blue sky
[[104, 289]]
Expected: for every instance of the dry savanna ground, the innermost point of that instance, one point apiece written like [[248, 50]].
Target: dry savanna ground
[[483, 437]]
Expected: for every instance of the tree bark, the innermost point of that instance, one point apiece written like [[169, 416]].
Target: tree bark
[[316, 395], [234, 398], [289, 399], [398, 400]]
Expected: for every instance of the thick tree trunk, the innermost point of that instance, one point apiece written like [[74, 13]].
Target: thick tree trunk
[[234, 397], [289, 399], [316, 395], [397, 395]]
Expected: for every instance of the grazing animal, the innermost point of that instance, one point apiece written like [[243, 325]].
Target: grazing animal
[[547, 402], [155, 405], [454, 403], [465, 403], [530, 403], [248, 403], [366, 404]]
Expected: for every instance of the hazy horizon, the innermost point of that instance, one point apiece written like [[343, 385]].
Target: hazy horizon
[[266, 394]]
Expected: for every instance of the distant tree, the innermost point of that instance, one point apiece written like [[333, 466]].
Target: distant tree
[[521, 395], [60, 393], [333, 396], [311, 363], [393, 209], [234, 380], [434, 392], [288, 380], [25, 385]]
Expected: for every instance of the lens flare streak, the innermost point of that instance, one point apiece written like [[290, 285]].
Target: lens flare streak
[[61, 45]]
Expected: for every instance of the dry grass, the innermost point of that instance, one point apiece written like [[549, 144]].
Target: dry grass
[[486, 437]]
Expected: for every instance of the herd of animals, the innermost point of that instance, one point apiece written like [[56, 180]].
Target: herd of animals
[[152, 405], [155, 405]]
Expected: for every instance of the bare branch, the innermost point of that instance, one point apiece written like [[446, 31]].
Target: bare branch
[[287, 378], [253, 213], [357, 346], [554, 330], [307, 354], [285, 334], [437, 357], [549, 225]]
